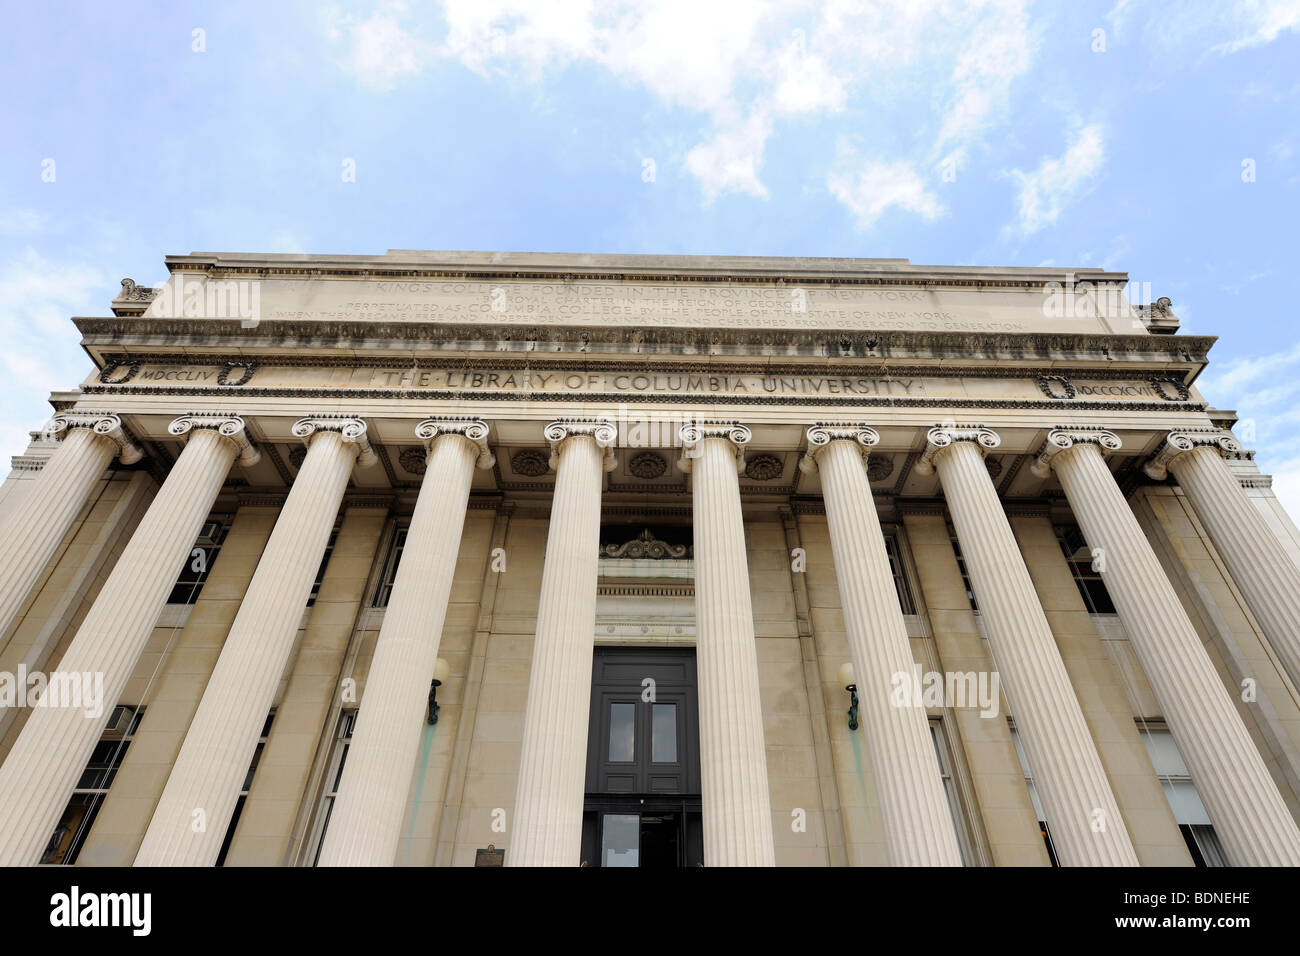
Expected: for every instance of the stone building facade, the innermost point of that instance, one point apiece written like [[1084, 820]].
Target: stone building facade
[[453, 559]]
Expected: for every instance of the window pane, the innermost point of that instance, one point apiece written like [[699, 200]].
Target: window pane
[[622, 729], [663, 745], [620, 843]]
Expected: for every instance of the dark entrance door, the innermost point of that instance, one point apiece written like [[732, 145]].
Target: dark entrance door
[[643, 760]]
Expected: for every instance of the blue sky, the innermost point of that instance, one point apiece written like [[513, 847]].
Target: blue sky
[[1156, 138]]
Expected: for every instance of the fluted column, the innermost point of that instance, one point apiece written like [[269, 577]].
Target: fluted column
[[1085, 822], [366, 821], [1268, 578], [50, 754], [30, 534], [1234, 784], [913, 806], [733, 757], [547, 828], [196, 805]]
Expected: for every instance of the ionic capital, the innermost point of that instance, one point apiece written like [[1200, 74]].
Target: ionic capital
[[694, 434], [943, 437], [105, 424], [598, 429], [471, 429], [821, 435], [1185, 440], [351, 430], [1059, 439], [228, 426]]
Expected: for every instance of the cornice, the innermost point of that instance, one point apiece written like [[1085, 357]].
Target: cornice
[[471, 397]]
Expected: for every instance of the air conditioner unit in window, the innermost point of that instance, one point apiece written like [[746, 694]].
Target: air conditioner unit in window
[[119, 722]]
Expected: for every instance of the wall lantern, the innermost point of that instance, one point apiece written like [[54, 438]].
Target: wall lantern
[[440, 671], [846, 681]]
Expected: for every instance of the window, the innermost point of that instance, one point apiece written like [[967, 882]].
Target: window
[[1184, 801], [79, 816], [385, 590], [1033, 796], [954, 803], [324, 562], [199, 561], [900, 579], [1079, 556], [334, 774], [964, 842], [961, 567], [244, 790]]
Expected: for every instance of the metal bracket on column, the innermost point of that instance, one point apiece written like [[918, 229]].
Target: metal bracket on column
[[1184, 440], [227, 425], [822, 434], [472, 429], [600, 429], [350, 428], [1067, 436], [944, 436], [694, 433], [107, 424]]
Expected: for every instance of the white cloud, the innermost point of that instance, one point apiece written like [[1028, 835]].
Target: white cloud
[[1257, 22], [1262, 389], [871, 189], [1057, 181], [384, 50], [744, 64], [1286, 485], [730, 161], [40, 343]]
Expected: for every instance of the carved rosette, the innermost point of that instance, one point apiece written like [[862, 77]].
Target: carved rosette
[[351, 430], [471, 429], [647, 466], [1185, 440], [603, 432], [230, 427], [1059, 439], [696, 432], [530, 463], [879, 467], [821, 435], [764, 467], [106, 424], [941, 437]]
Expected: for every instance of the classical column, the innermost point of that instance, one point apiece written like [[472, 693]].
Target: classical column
[[547, 828], [196, 805], [1243, 802], [50, 754], [913, 805], [1268, 578], [1085, 822], [366, 821], [733, 757], [30, 534]]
